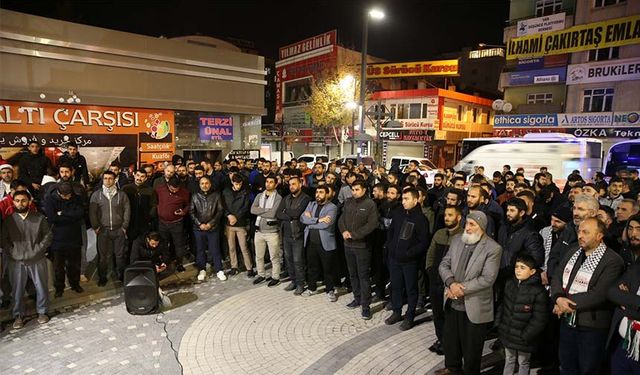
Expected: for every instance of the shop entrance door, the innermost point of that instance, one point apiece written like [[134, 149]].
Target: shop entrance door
[[200, 155]]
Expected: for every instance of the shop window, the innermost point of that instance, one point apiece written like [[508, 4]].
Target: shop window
[[601, 54], [604, 3], [597, 100], [414, 110], [402, 111], [539, 98], [548, 7], [297, 92], [425, 110]]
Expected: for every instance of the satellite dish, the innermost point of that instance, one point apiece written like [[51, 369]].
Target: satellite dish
[[507, 107], [497, 104]]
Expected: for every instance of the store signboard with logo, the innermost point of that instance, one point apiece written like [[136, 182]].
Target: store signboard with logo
[[541, 24], [540, 76], [623, 119], [216, 128], [585, 119], [407, 135], [529, 120], [413, 69], [604, 71], [605, 132]]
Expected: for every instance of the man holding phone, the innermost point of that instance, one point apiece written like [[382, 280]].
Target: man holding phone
[[173, 206]]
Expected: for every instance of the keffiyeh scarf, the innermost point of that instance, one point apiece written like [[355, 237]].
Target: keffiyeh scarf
[[580, 283]]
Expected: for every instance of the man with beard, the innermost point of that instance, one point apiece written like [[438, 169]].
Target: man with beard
[[438, 189], [172, 208], [191, 168], [630, 252], [345, 191], [331, 179], [258, 185], [454, 197], [183, 175], [6, 177], [72, 157], [168, 173], [193, 183], [407, 239], [583, 208], [626, 209], [508, 192], [550, 234], [614, 194], [289, 211], [437, 250], [143, 202], [237, 206], [469, 270], [267, 236], [385, 205], [478, 199], [318, 175], [579, 290], [25, 239], [319, 219], [498, 183]]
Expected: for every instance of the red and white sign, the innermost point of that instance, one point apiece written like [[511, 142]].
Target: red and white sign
[[310, 44]]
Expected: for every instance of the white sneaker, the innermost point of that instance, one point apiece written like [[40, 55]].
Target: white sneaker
[[202, 275], [221, 275]]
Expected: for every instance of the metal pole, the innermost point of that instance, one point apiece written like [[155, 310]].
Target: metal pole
[[363, 74], [353, 131]]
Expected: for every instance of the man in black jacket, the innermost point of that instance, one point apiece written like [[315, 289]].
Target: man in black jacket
[[33, 166], [79, 163], [579, 291], [289, 211], [359, 219], [407, 241], [151, 247], [206, 212], [143, 202], [65, 213], [624, 334], [237, 207], [630, 252]]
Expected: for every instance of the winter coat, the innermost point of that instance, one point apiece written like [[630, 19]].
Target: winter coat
[[141, 252], [33, 168], [360, 218], [408, 236], [520, 239], [143, 203], [237, 203], [114, 214], [26, 240], [206, 208], [523, 314], [437, 250], [66, 218], [289, 212]]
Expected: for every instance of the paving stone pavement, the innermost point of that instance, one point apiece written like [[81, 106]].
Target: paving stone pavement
[[219, 328]]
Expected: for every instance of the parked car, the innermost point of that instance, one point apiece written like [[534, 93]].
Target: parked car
[[311, 159], [367, 160], [403, 161], [427, 172]]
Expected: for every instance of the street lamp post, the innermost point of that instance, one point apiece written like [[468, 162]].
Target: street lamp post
[[377, 15]]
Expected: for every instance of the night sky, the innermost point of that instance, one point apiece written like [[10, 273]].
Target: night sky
[[412, 29]]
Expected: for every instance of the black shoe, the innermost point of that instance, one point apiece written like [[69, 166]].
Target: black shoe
[[273, 282], [353, 304], [77, 289], [299, 291], [366, 313], [102, 282], [180, 268], [251, 273], [406, 325], [290, 287], [393, 319], [434, 347], [258, 280], [58, 293], [233, 272], [440, 349]]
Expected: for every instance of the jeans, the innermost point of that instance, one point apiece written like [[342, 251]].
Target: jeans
[[174, 233], [272, 242], [404, 276], [111, 243], [321, 263], [463, 340], [582, 350], [294, 259], [359, 265], [241, 234], [66, 260], [511, 357], [19, 272], [208, 249]]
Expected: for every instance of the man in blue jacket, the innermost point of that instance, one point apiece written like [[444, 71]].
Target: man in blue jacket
[[407, 241]]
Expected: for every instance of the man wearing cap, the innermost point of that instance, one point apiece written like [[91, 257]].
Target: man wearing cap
[[469, 270], [173, 206], [33, 166], [550, 234], [65, 213], [6, 176]]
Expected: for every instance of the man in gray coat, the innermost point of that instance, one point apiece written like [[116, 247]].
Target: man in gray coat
[[320, 241], [469, 270], [25, 238], [109, 212]]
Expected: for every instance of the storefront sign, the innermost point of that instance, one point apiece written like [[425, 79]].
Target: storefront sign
[[413, 69], [610, 33], [216, 128], [626, 118], [244, 154], [533, 63], [489, 52], [417, 124], [407, 135], [310, 44], [519, 132], [585, 119], [534, 120], [540, 76], [605, 132], [541, 24], [450, 120], [604, 71]]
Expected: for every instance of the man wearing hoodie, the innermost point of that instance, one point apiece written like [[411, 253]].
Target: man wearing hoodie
[[25, 239], [407, 240], [110, 212]]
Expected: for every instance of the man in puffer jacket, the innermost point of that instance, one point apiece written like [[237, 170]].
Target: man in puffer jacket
[[206, 213], [522, 315]]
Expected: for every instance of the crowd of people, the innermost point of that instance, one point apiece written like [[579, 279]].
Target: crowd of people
[[552, 273]]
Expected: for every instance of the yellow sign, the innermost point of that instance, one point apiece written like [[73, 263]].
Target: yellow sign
[[610, 33], [413, 69]]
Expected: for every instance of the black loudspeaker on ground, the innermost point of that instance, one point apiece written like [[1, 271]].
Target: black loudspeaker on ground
[[141, 289]]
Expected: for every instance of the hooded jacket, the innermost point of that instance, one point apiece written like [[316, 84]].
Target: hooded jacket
[[523, 314], [66, 218], [408, 235], [206, 208], [26, 240], [111, 214]]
